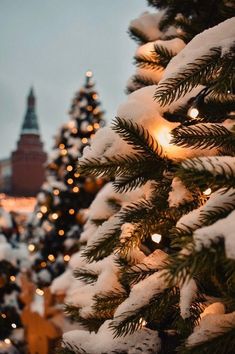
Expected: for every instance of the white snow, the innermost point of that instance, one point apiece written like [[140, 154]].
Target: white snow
[[187, 294], [179, 194]]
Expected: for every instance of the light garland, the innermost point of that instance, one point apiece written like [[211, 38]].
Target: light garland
[[156, 238]]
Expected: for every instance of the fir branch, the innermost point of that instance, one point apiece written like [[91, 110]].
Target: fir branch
[[103, 247], [147, 62], [138, 137], [194, 74], [136, 273], [105, 304], [91, 322], [223, 343], [88, 276], [164, 55], [140, 81], [203, 136], [139, 36]]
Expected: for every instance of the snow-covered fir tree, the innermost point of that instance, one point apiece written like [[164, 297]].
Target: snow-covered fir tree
[[13, 259], [55, 226], [157, 274]]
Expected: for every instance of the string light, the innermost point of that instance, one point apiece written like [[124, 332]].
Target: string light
[[193, 112], [4, 315], [56, 192], [43, 209], [89, 128], [43, 264], [69, 168], [13, 325], [163, 136], [207, 192], [75, 189], [89, 108], [70, 181], [31, 247], [76, 174], [61, 146], [84, 140], [89, 73], [54, 216], [96, 125], [74, 130], [7, 341], [95, 96], [40, 292], [61, 232], [71, 211], [156, 238], [51, 257], [39, 215], [64, 152], [12, 278], [66, 258]]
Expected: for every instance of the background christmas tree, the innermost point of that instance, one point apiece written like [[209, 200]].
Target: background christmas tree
[[158, 274], [55, 227]]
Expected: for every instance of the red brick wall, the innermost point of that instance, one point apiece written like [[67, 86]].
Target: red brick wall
[[28, 171]]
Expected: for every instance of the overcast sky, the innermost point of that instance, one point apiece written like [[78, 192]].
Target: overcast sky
[[50, 44]]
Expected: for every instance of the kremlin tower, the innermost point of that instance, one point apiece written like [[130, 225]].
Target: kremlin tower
[[29, 158]]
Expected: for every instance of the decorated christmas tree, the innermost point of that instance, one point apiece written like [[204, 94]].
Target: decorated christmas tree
[[13, 259], [158, 272], [54, 229]]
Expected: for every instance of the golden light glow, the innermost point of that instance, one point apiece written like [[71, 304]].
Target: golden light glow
[[142, 322], [40, 292], [70, 181], [75, 189], [61, 146], [31, 247], [71, 211], [56, 192], [64, 152], [95, 96], [12, 278], [4, 315], [74, 130], [43, 209], [89, 108], [69, 168], [156, 238], [193, 112], [7, 341], [163, 136], [207, 192], [54, 216], [43, 264], [96, 125], [39, 215], [89, 128], [61, 232], [51, 257], [84, 140], [89, 73], [66, 258], [13, 325], [76, 174]]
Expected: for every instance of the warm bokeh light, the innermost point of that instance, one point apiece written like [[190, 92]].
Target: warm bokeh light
[[40, 292], [61, 146], [193, 112], [89, 73], [12, 278], [43, 264], [39, 215], [56, 192], [84, 140], [89, 128], [69, 168], [156, 238], [163, 136], [51, 257], [64, 152], [54, 216], [75, 189], [71, 211], [207, 192], [61, 232], [43, 209], [96, 125], [66, 258]]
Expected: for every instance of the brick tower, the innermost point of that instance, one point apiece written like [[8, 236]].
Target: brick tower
[[28, 159]]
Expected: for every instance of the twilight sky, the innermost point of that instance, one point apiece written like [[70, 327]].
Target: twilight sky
[[50, 44]]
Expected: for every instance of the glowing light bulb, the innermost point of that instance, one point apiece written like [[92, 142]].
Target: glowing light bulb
[[61, 146], [89, 128], [163, 136], [207, 191], [142, 322], [51, 257], [89, 108], [193, 112], [74, 130], [70, 181], [43, 209], [96, 125], [95, 96], [66, 258], [89, 73], [156, 238], [13, 325], [54, 216], [64, 152], [69, 168], [76, 174], [71, 211], [12, 278], [7, 341], [84, 140], [39, 215], [61, 232], [31, 247], [75, 189], [4, 315], [56, 192], [40, 292], [43, 264]]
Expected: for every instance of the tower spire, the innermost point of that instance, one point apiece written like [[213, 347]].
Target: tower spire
[[30, 124]]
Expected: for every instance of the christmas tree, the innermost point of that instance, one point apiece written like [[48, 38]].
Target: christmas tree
[[55, 227], [13, 258], [157, 275]]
